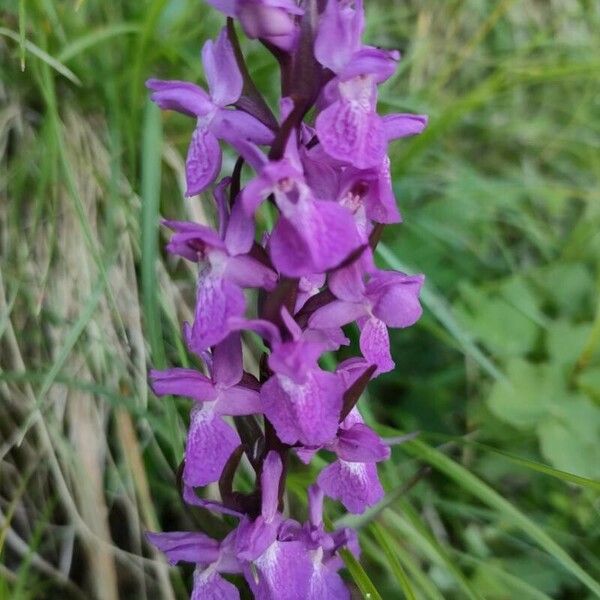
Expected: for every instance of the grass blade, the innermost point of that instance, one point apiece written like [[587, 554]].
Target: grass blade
[[97, 36], [362, 580], [436, 304], [488, 496], [22, 33], [42, 55], [150, 191], [384, 541]]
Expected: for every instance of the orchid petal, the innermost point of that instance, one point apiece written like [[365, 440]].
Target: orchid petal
[[355, 485], [203, 161], [336, 314], [269, 484], [316, 239], [225, 6], [209, 585], [239, 401], [352, 133], [183, 382], [338, 37], [247, 272], [375, 344], [283, 572], [210, 443], [374, 62], [326, 584], [402, 125], [239, 235], [189, 497], [192, 240], [359, 443], [295, 359], [221, 69], [227, 369], [237, 125], [216, 301], [307, 412], [180, 96], [184, 546], [396, 298]]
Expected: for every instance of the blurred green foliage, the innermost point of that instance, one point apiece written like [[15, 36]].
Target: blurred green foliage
[[498, 497]]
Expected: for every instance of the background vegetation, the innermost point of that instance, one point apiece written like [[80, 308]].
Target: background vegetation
[[498, 497]]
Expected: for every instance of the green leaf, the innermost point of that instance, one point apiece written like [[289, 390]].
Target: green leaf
[[565, 341], [386, 544], [469, 482], [494, 318], [565, 476], [94, 37], [589, 381], [42, 55], [527, 395], [362, 580], [568, 285], [443, 313], [569, 437], [411, 525]]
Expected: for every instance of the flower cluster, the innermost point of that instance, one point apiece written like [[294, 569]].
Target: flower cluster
[[323, 168]]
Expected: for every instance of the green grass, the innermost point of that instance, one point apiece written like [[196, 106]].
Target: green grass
[[498, 498]]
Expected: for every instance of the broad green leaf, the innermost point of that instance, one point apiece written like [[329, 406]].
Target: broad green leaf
[[565, 341], [527, 395], [494, 319], [589, 381], [568, 285], [569, 437]]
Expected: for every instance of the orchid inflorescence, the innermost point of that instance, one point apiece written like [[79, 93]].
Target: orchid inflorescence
[[327, 174]]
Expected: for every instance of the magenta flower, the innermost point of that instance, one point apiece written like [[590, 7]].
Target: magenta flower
[[302, 401], [311, 236], [225, 84], [349, 129], [222, 277], [211, 440], [352, 478], [272, 20], [328, 181], [388, 298]]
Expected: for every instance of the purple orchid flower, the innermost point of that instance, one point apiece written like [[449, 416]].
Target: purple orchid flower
[[389, 298], [302, 401], [222, 275], [352, 478], [311, 236], [349, 129], [271, 20], [214, 121], [211, 440], [211, 557]]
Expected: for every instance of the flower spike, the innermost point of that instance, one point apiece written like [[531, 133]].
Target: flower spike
[[290, 289]]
